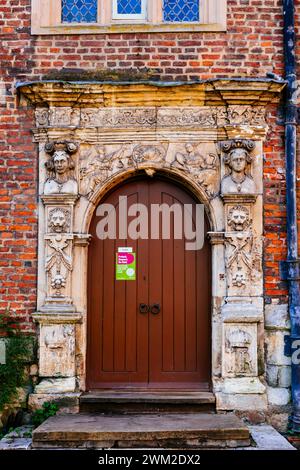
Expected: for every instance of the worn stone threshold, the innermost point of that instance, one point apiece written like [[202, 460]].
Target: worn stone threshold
[[159, 397], [171, 430]]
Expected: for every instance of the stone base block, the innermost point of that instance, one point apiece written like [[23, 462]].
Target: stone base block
[[67, 402], [62, 385], [247, 401], [278, 396]]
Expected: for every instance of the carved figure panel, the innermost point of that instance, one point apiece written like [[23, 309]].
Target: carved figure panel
[[240, 350], [202, 162], [57, 351]]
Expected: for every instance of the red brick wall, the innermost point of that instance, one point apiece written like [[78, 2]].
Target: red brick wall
[[251, 47]]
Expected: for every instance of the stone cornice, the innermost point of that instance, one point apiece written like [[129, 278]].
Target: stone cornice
[[216, 92]]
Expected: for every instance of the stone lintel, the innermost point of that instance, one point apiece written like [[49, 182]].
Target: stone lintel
[[215, 92]]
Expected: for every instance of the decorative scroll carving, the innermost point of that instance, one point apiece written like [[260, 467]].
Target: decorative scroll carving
[[237, 156], [120, 118], [60, 168], [237, 346], [238, 218], [181, 117], [64, 116], [59, 220], [58, 263]]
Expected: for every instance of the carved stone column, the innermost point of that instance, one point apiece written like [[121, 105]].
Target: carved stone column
[[57, 316], [242, 311]]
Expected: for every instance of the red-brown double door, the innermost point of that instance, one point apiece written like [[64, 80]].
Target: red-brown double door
[[162, 350]]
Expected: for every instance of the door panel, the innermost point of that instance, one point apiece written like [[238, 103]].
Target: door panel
[[126, 347]]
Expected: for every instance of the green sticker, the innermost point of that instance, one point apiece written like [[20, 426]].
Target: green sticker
[[125, 266]]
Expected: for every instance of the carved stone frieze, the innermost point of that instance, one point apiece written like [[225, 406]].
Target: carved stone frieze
[[60, 168], [151, 117], [240, 350], [237, 158]]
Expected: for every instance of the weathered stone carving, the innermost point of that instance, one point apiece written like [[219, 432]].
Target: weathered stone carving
[[42, 117], [96, 165], [148, 154], [64, 116], [119, 118], [243, 260], [59, 220], [60, 168], [57, 351], [237, 345], [58, 263], [237, 158], [238, 218], [149, 117], [181, 117], [204, 168]]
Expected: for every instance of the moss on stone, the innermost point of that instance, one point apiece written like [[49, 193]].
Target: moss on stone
[[99, 75]]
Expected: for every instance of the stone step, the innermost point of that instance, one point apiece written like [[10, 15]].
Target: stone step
[[166, 430], [124, 401]]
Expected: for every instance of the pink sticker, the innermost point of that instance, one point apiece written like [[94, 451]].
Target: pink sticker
[[125, 258]]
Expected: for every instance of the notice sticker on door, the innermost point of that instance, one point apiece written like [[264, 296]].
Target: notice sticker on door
[[125, 266]]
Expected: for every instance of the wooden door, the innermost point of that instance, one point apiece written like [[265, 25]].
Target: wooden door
[[165, 349]]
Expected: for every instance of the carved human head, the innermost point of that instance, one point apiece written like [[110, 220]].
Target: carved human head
[[189, 148], [238, 218], [61, 161], [58, 220], [237, 154], [237, 160]]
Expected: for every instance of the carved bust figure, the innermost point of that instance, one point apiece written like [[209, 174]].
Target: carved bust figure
[[238, 218], [60, 169], [238, 181]]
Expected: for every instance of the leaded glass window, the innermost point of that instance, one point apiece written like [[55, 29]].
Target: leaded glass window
[[79, 11], [181, 10], [129, 7], [126, 9]]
